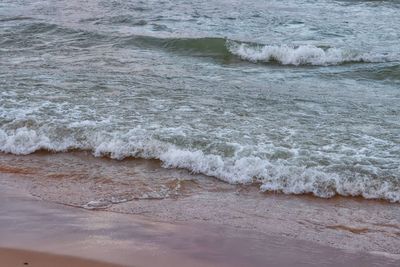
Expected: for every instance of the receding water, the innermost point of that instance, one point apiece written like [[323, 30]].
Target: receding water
[[300, 96]]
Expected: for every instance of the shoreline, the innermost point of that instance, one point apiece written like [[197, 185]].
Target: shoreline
[[308, 185], [182, 208], [47, 232], [158, 164]]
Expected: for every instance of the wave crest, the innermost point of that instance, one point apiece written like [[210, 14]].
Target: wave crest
[[226, 49], [301, 55]]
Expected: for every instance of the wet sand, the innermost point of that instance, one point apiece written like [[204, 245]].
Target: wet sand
[[17, 257], [30, 224], [183, 228]]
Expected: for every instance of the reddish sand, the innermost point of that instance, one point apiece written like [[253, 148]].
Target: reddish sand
[[224, 225], [17, 258]]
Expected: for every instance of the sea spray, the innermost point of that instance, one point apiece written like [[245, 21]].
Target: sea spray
[[302, 55]]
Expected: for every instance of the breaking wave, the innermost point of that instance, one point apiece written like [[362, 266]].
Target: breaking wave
[[273, 176], [210, 47], [256, 53], [301, 55]]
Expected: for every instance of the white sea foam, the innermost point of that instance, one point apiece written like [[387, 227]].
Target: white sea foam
[[273, 176], [301, 55], [24, 141]]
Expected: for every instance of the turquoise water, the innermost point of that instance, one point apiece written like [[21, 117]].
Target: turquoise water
[[299, 96]]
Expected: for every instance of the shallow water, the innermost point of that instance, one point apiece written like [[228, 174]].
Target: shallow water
[[300, 96]]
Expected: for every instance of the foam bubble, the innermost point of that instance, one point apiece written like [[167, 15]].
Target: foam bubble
[[301, 55], [273, 175]]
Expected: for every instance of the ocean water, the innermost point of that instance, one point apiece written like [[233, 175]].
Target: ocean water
[[296, 96]]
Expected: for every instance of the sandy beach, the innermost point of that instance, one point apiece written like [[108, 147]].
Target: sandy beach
[[40, 227], [199, 133], [16, 257]]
